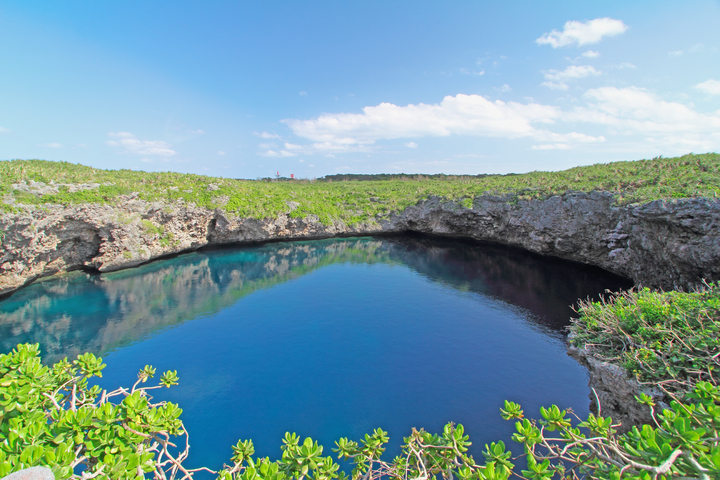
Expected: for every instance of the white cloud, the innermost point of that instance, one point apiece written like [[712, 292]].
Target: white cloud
[[266, 135], [552, 146], [505, 88], [637, 111], [273, 153], [556, 79], [591, 54], [3, 131], [52, 145], [196, 132], [583, 33], [709, 86], [675, 53], [220, 152], [458, 115], [623, 65], [129, 143], [697, 48], [637, 116], [303, 94], [411, 145]]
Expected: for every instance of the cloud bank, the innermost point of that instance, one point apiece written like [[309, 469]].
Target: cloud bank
[[621, 111], [583, 33], [458, 115], [711, 87], [129, 143], [556, 79]]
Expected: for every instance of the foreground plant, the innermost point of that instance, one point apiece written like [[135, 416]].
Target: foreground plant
[[37, 182], [52, 416], [669, 340]]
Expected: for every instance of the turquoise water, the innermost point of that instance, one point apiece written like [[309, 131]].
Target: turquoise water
[[326, 338]]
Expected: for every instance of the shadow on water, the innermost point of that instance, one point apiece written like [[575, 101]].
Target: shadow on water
[[80, 312], [326, 338]]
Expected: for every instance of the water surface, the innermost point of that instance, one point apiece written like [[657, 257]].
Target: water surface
[[326, 338]]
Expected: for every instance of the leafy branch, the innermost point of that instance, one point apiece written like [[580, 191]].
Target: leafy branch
[[52, 416]]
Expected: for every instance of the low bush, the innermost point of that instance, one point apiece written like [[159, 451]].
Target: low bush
[[53, 416], [353, 201], [669, 340]]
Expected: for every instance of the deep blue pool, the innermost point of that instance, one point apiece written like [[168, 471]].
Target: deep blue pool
[[326, 338]]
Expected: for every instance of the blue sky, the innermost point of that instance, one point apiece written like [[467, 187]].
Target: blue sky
[[245, 89]]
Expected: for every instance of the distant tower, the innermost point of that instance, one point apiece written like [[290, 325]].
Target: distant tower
[[278, 175], [292, 175]]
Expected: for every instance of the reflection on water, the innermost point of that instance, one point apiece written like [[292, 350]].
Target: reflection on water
[[326, 338], [98, 313]]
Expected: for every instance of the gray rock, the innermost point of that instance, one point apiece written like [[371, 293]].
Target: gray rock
[[660, 244], [32, 473], [614, 392]]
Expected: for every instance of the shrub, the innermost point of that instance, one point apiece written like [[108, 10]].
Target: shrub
[[666, 339], [52, 416], [356, 201]]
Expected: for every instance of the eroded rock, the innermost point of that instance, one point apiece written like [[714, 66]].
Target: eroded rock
[[661, 244]]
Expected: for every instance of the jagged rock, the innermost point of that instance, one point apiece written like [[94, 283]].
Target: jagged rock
[[32, 473], [614, 391], [662, 244]]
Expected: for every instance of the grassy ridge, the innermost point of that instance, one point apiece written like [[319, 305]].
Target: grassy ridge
[[666, 339], [359, 201]]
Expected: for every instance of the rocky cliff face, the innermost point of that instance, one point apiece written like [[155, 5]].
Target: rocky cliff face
[[662, 244], [614, 392]]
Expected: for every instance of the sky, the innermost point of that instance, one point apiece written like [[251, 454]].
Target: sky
[[311, 88]]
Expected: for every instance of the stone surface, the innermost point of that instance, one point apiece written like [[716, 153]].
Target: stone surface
[[614, 392], [32, 473], [659, 244]]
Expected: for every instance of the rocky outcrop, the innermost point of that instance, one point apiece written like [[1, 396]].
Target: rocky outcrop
[[614, 392], [662, 244]]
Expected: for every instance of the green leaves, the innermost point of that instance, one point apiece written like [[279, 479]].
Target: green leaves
[[53, 416], [512, 411], [554, 418], [169, 378], [242, 451], [298, 460], [90, 365], [362, 201], [668, 338], [496, 455], [146, 373], [537, 471], [527, 433]]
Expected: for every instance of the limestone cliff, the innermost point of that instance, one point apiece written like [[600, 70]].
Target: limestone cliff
[[663, 244]]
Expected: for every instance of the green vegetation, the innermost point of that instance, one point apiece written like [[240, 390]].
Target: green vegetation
[[666, 339], [152, 229], [355, 201], [52, 416]]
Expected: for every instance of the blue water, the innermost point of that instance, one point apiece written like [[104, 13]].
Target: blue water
[[326, 338]]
